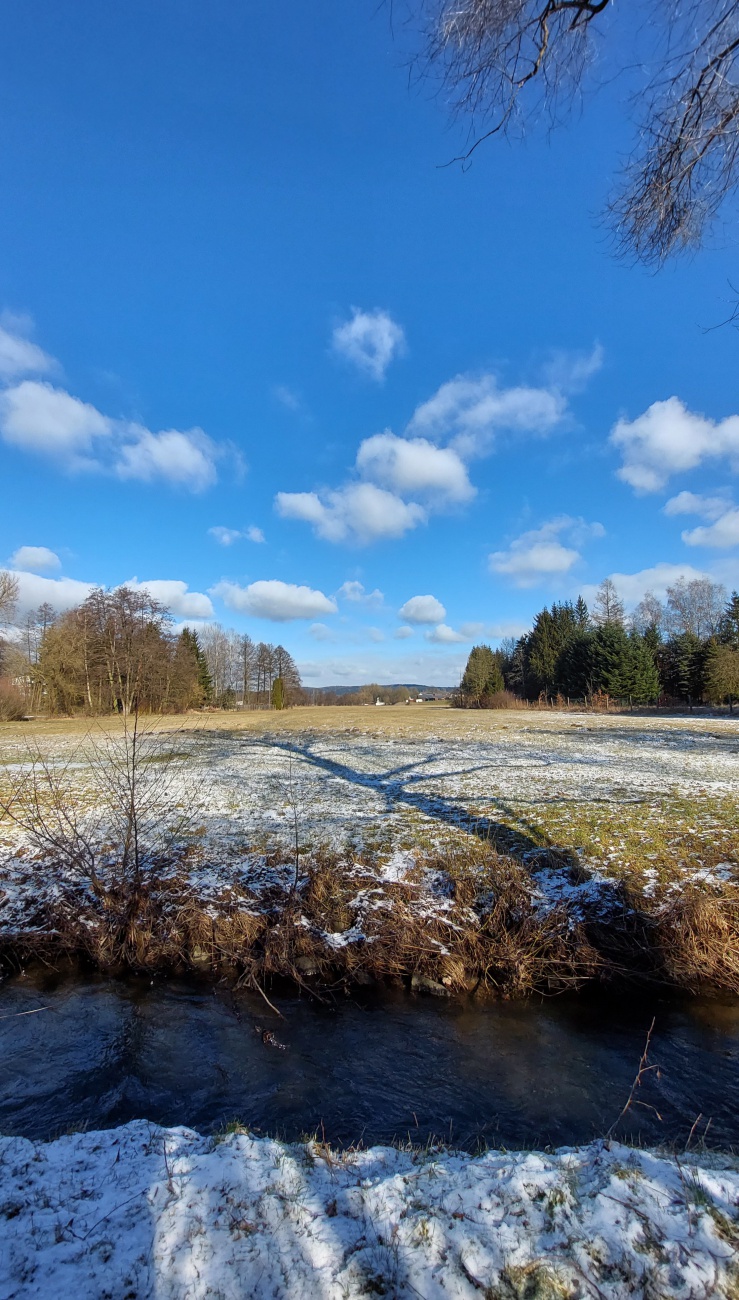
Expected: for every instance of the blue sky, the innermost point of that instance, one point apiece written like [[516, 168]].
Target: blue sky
[[262, 349]]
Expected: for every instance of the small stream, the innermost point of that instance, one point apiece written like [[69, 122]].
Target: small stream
[[382, 1068]]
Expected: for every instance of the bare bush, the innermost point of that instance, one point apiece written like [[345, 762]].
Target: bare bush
[[12, 703], [113, 818]]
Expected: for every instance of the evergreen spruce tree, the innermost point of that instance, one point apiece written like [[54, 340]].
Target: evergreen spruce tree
[[729, 629], [482, 676], [611, 660], [582, 614], [204, 680], [278, 693], [643, 677]]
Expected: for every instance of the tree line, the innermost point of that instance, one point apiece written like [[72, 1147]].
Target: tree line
[[117, 652], [683, 650]]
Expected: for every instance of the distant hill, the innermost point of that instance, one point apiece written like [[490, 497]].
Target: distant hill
[[387, 686]]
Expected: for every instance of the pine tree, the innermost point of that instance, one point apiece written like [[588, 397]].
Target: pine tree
[[582, 614]]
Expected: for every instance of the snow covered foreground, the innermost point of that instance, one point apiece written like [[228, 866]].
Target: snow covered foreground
[[141, 1211]]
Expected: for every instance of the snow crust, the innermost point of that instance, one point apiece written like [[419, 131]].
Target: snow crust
[[142, 1212]]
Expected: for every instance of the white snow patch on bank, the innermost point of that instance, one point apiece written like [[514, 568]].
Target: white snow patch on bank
[[143, 1212]]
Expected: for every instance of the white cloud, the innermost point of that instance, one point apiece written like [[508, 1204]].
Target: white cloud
[[360, 512], [444, 635], [422, 609], [37, 417], [33, 558], [320, 632], [369, 340], [692, 503], [632, 587], [413, 466], [18, 356], [471, 411], [286, 397], [570, 372], [669, 439], [355, 593], [181, 459], [175, 595], [721, 534], [539, 554], [720, 512], [496, 631], [227, 536], [402, 633], [60, 593], [375, 634], [275, 600]]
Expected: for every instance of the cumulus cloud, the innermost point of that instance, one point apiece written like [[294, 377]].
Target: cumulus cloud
[[61, 593], [18, 355], [632, 587], [444, 635], [36, 417], [414, 466], [227, 536], [720, 513], [175, 595], [540, 554], [320, 632], [721, 534], [360, 513], [35, 558], [45, 420], [408, 478], [669, 439], [471, 411], [402, 633], [693, 503], [272, 599], [181, 459], [356, 594], [422, 609], [369, 340]]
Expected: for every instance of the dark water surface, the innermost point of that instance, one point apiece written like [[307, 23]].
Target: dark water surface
[[513, 1074]]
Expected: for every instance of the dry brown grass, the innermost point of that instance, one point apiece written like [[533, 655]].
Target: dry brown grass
[[481, 928]]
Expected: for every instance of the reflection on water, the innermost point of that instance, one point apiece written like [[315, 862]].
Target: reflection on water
[[512, 1074]]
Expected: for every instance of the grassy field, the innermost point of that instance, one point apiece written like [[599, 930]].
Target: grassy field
[[549, 814]]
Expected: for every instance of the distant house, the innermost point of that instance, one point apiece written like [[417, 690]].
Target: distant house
[[378, 702]]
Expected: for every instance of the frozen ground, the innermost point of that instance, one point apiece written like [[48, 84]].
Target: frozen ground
[[144, 1213], [617, 788]]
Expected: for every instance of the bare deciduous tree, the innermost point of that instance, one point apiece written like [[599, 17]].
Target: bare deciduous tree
[[8, 595], [501, 59], [608, 606], [695, 607]]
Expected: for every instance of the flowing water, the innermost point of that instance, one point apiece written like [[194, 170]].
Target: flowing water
[[395, 1067]]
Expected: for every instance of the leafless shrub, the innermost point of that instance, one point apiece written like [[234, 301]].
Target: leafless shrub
[[113, 819], [12, 703]]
